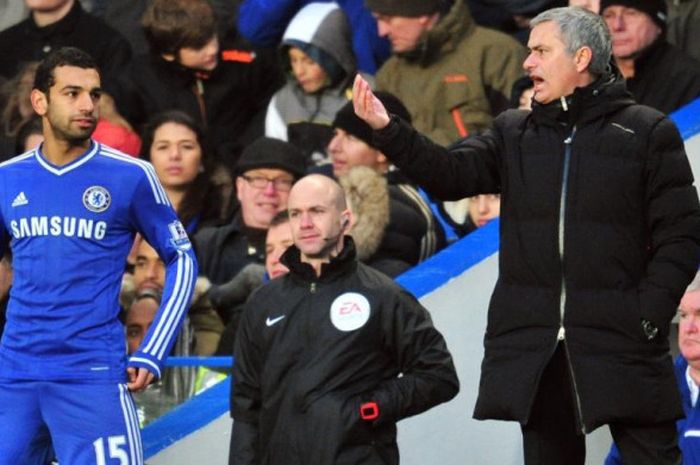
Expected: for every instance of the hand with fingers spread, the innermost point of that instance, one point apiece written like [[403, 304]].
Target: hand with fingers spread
[[367, 106]]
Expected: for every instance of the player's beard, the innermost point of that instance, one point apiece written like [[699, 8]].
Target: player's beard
[[74, 136]]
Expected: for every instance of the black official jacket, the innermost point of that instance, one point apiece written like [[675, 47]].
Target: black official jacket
[[600, 228], [311, 350]]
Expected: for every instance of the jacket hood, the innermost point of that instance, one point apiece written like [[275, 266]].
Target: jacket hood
[[444, 36], [325, 26], [367, 193]]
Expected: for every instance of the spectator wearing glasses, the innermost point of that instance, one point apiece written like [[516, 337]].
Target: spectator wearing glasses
[[265, 173]]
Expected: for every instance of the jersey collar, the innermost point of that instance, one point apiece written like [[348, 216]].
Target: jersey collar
[[61, 170]]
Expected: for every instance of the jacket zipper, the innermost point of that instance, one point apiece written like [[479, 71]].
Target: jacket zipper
[[199, 94], [561, 335]]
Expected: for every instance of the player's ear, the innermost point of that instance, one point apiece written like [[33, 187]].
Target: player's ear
[[40, 101]]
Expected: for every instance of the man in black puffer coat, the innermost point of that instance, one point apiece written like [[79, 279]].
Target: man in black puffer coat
[[600, 234]]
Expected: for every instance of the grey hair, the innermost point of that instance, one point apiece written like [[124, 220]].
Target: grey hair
[[581, 28]]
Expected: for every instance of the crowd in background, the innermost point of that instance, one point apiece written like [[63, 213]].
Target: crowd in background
[[233, 101]]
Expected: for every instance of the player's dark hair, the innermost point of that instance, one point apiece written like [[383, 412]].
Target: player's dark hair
[[64, 56]]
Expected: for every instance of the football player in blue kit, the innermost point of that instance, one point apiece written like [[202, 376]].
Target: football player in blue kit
[[69, 210]]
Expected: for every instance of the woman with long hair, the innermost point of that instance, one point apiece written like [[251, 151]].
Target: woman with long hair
[[175, 145]]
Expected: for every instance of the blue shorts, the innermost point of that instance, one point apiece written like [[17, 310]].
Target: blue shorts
[[86, 423]]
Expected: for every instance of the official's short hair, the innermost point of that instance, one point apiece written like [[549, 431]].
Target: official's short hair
[[45, 77], [170, 25], [581, 28]]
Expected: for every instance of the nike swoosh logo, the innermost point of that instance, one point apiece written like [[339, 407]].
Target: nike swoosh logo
[[270, 322]]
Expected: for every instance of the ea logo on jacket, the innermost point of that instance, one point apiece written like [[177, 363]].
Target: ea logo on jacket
[[350, 311]]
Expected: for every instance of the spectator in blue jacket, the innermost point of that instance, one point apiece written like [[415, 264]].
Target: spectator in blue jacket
[[264, 21], [688, 377]]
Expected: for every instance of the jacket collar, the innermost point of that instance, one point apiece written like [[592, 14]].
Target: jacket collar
[[650, 55], [340, 265], [182, 74], [605, 95]]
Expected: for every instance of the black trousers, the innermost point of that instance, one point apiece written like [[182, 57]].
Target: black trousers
[[552, 437]]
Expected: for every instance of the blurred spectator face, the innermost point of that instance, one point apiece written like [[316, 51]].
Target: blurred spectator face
[[176, 155], [549, 65], [205, 58], [262, 193], [632, 30], [483, 208], [348, 151], [278, 239], [6, 276], [590, 5], [138, 320], [525, 100], [308, 73], [689, 328], [149, 269], [403, 32], [24, 89]]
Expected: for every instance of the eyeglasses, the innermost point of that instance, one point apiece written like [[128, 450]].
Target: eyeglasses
[[261, 182]]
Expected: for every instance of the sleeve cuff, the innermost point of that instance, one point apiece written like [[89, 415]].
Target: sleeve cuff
[[140, 360]]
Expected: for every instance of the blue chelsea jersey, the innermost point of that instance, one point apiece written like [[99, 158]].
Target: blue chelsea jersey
[[70, 229]]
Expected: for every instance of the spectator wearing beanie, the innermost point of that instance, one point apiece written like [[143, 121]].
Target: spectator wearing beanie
[[318, 49], [453, 75], [394, 227], [265, 173], [658, 73]]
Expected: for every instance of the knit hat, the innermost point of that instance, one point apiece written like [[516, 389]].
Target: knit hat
[[656, 9], [410, 8], [266, 152], [348, 121]]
